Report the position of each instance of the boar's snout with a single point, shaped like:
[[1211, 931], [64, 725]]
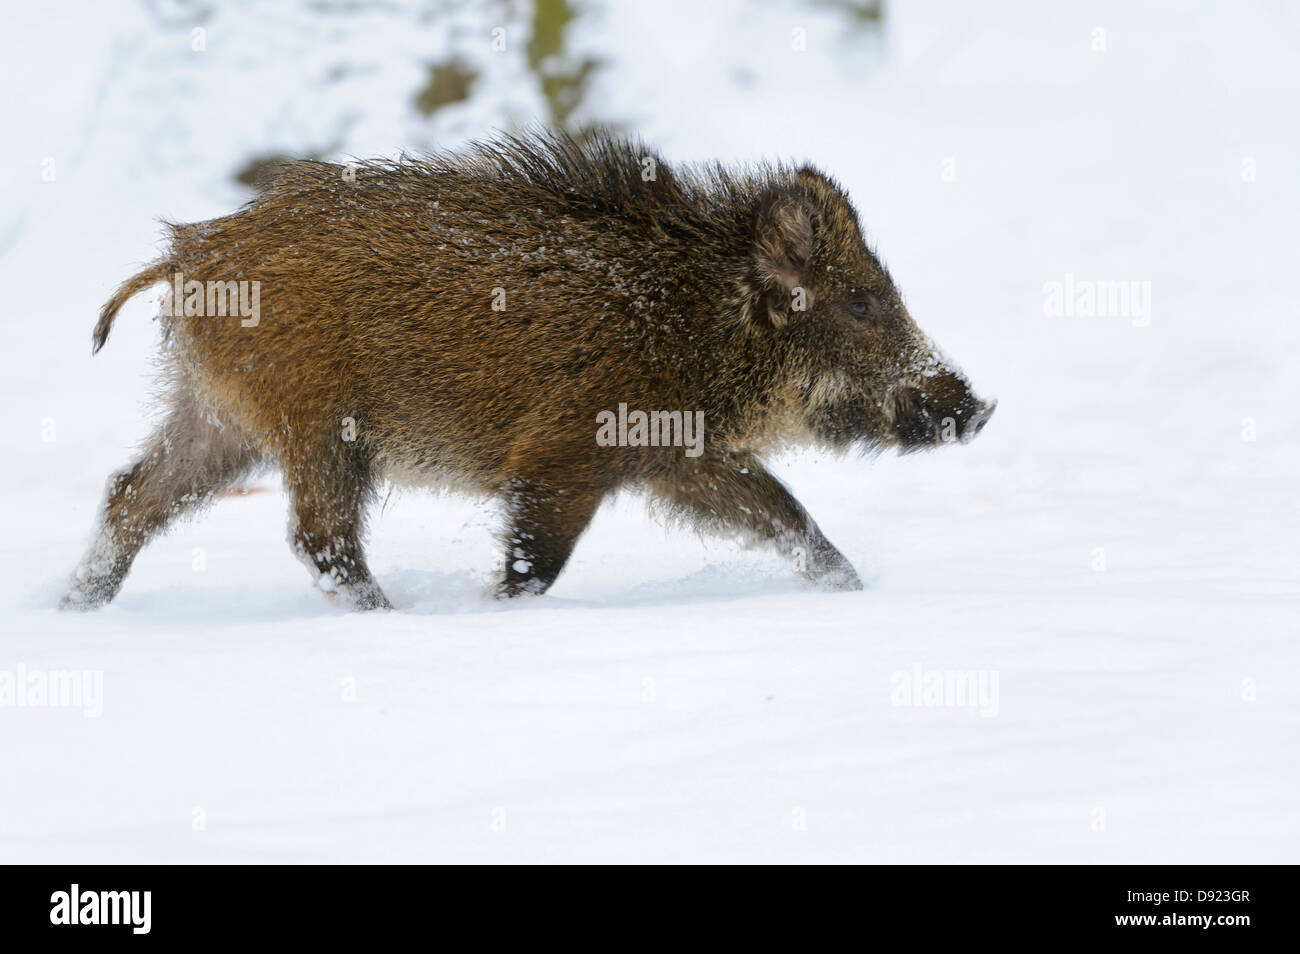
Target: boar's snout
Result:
[[979, 419], [942, 410]]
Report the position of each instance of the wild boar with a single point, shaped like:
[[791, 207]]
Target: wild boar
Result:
[[533, 319]]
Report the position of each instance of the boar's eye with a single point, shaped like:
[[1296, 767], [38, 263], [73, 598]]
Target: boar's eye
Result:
[[864, 307]]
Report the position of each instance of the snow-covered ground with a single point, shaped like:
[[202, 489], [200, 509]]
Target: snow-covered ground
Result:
[[1114, 561]]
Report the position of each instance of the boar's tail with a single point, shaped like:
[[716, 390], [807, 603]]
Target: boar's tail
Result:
[[132, 286]]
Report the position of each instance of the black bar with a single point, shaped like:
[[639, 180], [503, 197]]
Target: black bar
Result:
[[335, 904]]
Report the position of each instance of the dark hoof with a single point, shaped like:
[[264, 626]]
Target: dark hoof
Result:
[[362, 597], [513, 589]]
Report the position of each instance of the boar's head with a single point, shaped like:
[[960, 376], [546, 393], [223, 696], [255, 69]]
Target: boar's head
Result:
[[854, 363]]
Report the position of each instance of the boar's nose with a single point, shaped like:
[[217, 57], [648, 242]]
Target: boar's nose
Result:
[[978, 420]]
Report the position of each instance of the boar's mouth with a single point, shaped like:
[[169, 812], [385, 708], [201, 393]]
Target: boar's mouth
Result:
[[914, 426], [922, 419]]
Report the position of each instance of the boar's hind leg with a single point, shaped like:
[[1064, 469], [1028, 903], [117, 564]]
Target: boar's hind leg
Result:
[[329, 489], [738, 493], [186, 463]]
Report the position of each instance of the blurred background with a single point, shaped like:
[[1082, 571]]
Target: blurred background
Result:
[[1119, 543], [210, 91]]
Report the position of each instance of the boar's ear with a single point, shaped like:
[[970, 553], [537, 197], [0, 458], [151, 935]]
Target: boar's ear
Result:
[[783, 248]]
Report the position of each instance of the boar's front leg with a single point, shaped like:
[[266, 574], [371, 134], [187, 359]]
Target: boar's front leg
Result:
[[544, 518], [738, 493]]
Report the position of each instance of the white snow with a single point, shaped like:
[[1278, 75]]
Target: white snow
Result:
[[1114, 558]]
